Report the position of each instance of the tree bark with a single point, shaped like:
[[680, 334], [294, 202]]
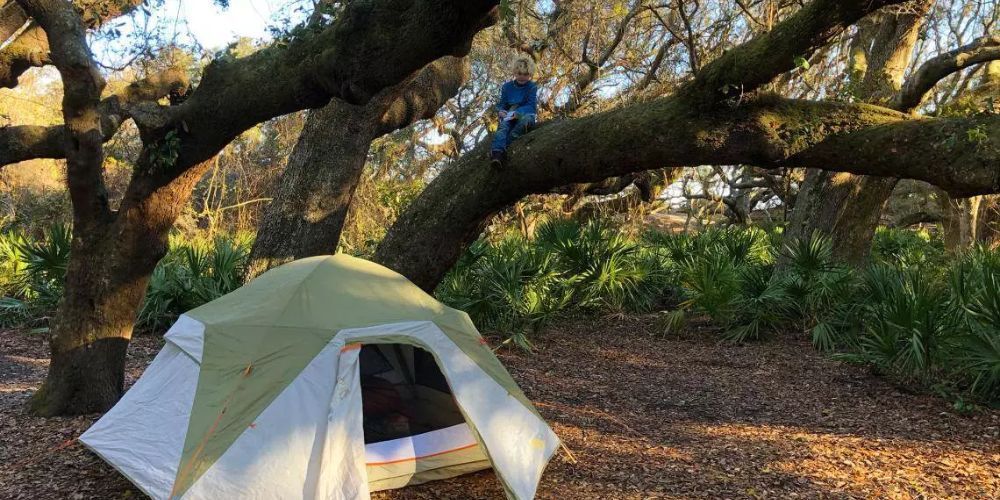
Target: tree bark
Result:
[[959, 222], [29, 50], [12, 18], [316, 188], [988, 232], [111, 261], [30, 47], [307, 213], [844, 206]]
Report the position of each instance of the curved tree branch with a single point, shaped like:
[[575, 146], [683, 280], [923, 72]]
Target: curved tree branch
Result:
[[931, 72], [744, 69], [958, 155], [735, 211], [30, 142], [30, 47], [918, 217], [334, 62], [669, 132]]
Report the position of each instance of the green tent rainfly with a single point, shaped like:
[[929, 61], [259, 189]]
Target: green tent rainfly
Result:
[[328, 377]]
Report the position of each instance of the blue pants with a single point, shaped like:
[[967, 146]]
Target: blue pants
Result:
[[508, 131]]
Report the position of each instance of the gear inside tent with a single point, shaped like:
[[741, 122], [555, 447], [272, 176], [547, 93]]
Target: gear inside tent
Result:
[[328, 377]]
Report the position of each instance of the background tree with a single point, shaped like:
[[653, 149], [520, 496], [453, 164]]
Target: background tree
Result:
[[848, 207], [316, 188]]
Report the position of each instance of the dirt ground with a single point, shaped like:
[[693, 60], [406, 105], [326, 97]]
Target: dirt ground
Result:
[[645, 417]]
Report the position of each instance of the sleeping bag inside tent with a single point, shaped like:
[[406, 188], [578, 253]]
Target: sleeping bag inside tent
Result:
[[328, 377]]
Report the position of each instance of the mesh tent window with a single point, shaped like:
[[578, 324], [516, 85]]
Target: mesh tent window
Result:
[[404, 393]]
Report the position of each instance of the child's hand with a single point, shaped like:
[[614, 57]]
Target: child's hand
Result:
[[503, 114]]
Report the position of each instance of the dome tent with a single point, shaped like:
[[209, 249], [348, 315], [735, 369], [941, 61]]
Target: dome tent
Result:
[[328, 377]]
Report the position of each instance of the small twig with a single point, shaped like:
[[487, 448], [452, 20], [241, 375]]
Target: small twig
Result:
[[569, 454], [255, 200]]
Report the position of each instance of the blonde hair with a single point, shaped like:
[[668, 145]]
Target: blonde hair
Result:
[[522, 63]]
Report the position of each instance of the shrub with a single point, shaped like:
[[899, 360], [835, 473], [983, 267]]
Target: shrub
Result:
[[516, 285], [193, 273], [601, 267], [726, 274], [909, 326], [907, 248], [924, 330], [975, 289], [820, 292], [33, 272], [510, 287]]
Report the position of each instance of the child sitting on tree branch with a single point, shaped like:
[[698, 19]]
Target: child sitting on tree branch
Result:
[[516, 108]]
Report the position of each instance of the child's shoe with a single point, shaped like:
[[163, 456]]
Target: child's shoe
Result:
[[496, 159]]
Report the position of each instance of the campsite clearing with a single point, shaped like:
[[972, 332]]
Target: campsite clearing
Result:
[[646, 417]]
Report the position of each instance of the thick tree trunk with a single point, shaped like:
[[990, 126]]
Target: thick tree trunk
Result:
[[436, 228], [960, 222], [988, 232], [90, 332], [316, 188], [309, 209], [110, 264], [844, 207]]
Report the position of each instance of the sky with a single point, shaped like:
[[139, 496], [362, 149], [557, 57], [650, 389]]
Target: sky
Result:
[[201, 21], [214, 27]]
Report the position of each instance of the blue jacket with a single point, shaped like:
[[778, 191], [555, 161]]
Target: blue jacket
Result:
[[522, 99]]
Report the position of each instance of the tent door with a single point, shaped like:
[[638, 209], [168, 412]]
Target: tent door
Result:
[[343, 474], [413, 429]]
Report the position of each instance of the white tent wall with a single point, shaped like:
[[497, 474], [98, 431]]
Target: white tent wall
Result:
[[285, 452], [143, 435], [188, 334], [342, 467]]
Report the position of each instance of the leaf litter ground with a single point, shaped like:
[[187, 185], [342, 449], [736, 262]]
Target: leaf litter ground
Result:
[[645, 417]]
